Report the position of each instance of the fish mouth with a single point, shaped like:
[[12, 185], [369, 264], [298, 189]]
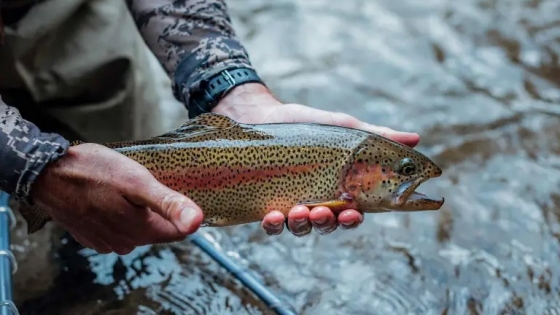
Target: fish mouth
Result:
[[407, 198]]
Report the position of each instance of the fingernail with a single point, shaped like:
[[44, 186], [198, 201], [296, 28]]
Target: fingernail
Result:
[[327, 229], [393, 132], [273, 226], [274, 230], [321, 221], [187, 216], [348, 224], [300, 220], [404, 133], [389, 131]]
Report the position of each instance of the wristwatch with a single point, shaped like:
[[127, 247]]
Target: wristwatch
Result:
[[217, 87]]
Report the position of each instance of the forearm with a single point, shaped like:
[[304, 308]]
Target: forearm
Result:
[[193, 39], [24, 152]]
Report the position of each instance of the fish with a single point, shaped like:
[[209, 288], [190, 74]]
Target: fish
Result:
[[237, 173]]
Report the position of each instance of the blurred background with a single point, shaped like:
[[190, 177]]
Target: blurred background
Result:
[[479, 80]]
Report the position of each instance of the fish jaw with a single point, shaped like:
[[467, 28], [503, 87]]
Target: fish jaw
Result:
[[406, 198], [378, 181]]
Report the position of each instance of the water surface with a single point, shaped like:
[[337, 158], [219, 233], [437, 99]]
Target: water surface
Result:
[[479, 80]]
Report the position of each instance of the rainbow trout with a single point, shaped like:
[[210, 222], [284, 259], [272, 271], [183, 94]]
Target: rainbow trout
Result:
[[237, 173]]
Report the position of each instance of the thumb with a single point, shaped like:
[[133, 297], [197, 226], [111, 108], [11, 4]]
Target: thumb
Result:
[[181, 211]]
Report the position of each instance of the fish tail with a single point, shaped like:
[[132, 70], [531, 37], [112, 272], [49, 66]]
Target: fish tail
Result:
[[34, 216]]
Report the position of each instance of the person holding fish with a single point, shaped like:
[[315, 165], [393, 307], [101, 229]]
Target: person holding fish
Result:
[[85, 67]]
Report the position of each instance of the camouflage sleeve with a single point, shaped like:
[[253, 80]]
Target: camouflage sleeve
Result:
[[193, 39], [24, 152]]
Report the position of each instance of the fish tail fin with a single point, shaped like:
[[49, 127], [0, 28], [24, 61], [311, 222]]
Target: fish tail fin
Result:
[[35, 217]]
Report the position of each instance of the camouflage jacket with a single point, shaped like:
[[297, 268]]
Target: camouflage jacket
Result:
[[193, 39]]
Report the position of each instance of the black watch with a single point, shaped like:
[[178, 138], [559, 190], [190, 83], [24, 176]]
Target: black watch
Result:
[[217, 86]]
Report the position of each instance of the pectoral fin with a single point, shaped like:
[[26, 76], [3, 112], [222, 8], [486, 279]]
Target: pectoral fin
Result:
[[334, 205]]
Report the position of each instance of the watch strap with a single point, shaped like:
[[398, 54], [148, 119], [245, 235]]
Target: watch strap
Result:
[[217, 87]]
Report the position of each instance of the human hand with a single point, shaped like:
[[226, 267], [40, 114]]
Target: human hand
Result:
[[111, 203], [253, 103]]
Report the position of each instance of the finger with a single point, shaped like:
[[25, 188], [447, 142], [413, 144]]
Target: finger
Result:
[[300, 113], [273, 223], [323, 220], [145, 227], [350, 219], [136, 231], [123, 250], [107, 241], [120, 241], [160, 231], [92, 243], [82, 241], [298, 221], [406, 138], [113, 236], [176, 208]]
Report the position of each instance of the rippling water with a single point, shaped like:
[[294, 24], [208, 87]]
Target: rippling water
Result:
[[479, 80]]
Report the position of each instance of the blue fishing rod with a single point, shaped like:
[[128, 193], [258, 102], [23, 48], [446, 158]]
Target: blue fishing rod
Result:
[[8, 264], [243, 275]]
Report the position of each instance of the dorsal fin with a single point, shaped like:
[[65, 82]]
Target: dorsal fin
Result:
[[202, 125], [207, 126]]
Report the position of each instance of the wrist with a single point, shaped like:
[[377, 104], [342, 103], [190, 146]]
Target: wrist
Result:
[[205, 95], [43, 180], [32, 165], [244, 99]]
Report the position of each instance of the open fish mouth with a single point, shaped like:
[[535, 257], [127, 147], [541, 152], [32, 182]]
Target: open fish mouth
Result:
[[407, 198]]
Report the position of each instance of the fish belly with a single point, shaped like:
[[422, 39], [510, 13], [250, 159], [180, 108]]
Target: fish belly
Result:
[[241, 185]]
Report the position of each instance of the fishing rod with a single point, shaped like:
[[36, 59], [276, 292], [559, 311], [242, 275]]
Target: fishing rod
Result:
[[8, 263], [8, 266], [243, 275]]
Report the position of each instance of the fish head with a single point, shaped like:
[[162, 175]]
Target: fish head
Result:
[[384, 176]]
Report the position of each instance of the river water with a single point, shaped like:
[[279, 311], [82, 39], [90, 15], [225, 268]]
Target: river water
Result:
[[479, 80]]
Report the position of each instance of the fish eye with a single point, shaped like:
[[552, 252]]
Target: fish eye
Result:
[[406, 167]]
